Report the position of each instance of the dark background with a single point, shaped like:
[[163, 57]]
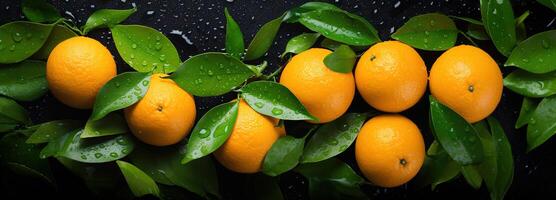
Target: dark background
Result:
[[196, 26]]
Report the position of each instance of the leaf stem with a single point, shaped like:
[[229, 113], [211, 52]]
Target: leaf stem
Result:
[[468, 38], [72, 27]]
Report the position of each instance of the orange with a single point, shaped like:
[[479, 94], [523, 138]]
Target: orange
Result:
[[76, 70], [325, 93], [391, 76], [164, 116], [467, 80], [389, 150], [251, 138]]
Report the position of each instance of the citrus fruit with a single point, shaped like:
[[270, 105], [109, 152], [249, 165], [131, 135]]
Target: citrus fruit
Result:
[[251, 138], [468, 81], [325, 93], [76, 70], [391, 76], [389, 150], [164, 116]]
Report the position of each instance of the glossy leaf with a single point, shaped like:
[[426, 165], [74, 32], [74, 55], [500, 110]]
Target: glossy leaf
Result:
[[294, 14], [437, 168], [275, 100], [530, 84], [145, 49], [212, 130], [342, 60], [504, 161], [431, 31], [23, 158], [49, 131], [301, 43], [106, 18], [469, 20], [21, 39], [548, 3], [263, 39], [283, 155], [528, 107], [39, 11], [24, 81], [120, 92], [234, 37], [138, 181], [457, 136], [498, 19], [521, 30], [477, 32], [333, 45], [111, 124], [211, 74], [333, 138], [59, 33], [472, 176], [12, 113], [537, 54], [542, 125]]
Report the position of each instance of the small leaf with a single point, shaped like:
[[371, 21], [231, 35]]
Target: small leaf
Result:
[[212, 130], [234, 37], [120, 92], [438, 168], [504, 159], [432, 31], [293, 15], [498, 19], [342, 60], [549, 4], [49, 131], [39, 11], [537, 54], [542, 125], [59, 33], [111, 124], [263, 39], [472, 176], [145, 49], [140, 183], [24, 81], [333, 138], [275, 100], [477, 32], [211, 74], [106, 18], [21, 39], [12, 113], [527, 109], [531, 85], [457, 136], [301, 43], [283, 155]]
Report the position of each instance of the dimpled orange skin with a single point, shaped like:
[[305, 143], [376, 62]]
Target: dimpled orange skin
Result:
[[251, 138], [325, 93], [164, 116], [391, 76], [467, 80], [76, 70], [389, 150]]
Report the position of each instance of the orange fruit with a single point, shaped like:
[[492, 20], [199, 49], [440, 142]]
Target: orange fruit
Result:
[[251, 138], [468, 81], [325, 93], [391, 76], [76, 70], [164, 116], [389, 150]]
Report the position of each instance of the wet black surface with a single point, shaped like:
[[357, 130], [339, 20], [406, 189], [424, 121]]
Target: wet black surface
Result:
[[198, 26]]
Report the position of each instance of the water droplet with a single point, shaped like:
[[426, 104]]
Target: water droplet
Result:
[[17, 37], [210, 73], [540, 84], [144, 63], [134, 46], [84, 157], [125, 151], [132, 56], [114, 155], [525, 60], [545, 44], [432, 22], [158, 46], [218, 77], [157, 38], [98, 155], [333, 141], [144, 82], [343, 127], [162, 58], [427, 33], [121, 141], [277, 111], [203, 133], [259, 104], [12, 48]]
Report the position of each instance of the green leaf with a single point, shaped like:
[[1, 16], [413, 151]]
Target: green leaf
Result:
[[212, 130], [477, 32], [293, 15], [12, 113], [472, 176], [49, 131], [340, 26], [301, 43], [59, 33], [342, 60], [432, 31], [211, 74], [548, 3], [93, 150], [275, 100], [145, 49], [521, 31], [504, 160], [106, 18], [531, 85], [528, 107], [457, 136], [263, 39], [537, 54], [120, 92], [469, 20], [438, 168], [163, 165], [24, 81], [140, 183], [283, 155], [542, 125], [498, 19], [21, 39], [234, 38], [39, 11], [333, 45], [111, 124], [333, 138]]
